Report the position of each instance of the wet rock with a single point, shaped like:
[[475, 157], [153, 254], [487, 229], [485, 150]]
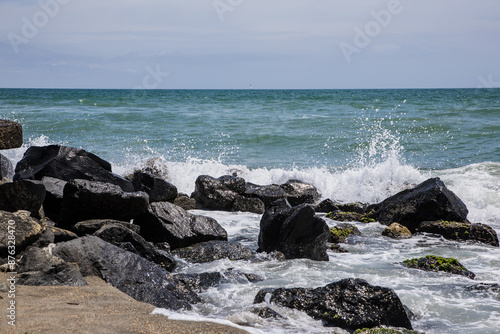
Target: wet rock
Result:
[[397, 231], [156, 167], [166, 222], [301, 235], [185, 202], [119, 235], [11, 134], [22, 195], [214, 250], [203, 281], [218, 194], [84, 200], [339, 233], [52, 235], [39, 267], [336, 248], [27, 231], [89, 227], [6, 168], [437, 263], [267, 194], [461, 231], [298, 192], [270, 225], [357, 207], [245, 204], [128, 272], [67, 163], [486, 289], [349, 303], [266, 313], [54, 191], [428, 201], [348, 216], [158, 189], [326, 206]]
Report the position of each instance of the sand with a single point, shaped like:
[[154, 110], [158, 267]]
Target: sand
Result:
[[95, 308]]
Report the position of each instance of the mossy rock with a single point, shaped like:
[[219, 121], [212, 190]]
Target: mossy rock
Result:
[[438, 263], [461, 231], [340, 232], [351, 216], [397, 231], [384, 331]]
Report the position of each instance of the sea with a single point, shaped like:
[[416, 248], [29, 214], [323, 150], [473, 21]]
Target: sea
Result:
[[353, 145]]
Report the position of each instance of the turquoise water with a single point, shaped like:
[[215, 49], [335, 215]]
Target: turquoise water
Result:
[[353, 145], [431, 129]]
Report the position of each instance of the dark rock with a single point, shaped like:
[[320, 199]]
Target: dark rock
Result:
[[349, 303], [266, 313], [128, 272], [166, 222], [214, 250], [336, 248], [158, 189], [428, 201], [54, 191], [203, 281], [296, 232], [52, 235], [487, 289], [347, 216], [185, 202], [11, 134], [218, 194], [6, 168], [326, 206], [270, 225], [461, 231], [89, 227], [353, 207], [340, 232], [67, 163], [85, 200], [39, 267], [156, 167], [245, 204], [119, 235], [267, 194], [22, 195], [298, 192], [437, 263], [303, 235], [27, 231], [385, 330], [397, 231]]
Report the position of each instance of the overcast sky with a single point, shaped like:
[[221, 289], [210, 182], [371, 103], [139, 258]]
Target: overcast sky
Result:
[[278, 44]]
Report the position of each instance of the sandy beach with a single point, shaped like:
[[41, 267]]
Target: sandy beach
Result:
[[95, 308]]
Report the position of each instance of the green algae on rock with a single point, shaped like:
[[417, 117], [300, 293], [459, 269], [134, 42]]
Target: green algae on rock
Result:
[[438, 263]]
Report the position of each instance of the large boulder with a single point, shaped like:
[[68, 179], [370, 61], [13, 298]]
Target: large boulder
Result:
[[267, 194], [39, 267], [349, 303], [214, 250], [296, 232], [85, 200], [428, 201], [438, 263], [128, 272], [295, 191], [6, 168], [54, 192], [166, 222], [21, 228], [67, 163], [461, 231], [22, 195], [125, 238], [89, 227], [11, 134], [157, 188], [225, 193], [52, 235]]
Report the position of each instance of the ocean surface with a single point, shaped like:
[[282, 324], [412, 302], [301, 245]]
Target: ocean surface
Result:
[[353, 145]]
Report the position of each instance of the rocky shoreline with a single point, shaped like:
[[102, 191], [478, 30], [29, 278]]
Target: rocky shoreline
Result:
[[75, 219]]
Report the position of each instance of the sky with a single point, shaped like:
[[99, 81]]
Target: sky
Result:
[[230, 44]]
